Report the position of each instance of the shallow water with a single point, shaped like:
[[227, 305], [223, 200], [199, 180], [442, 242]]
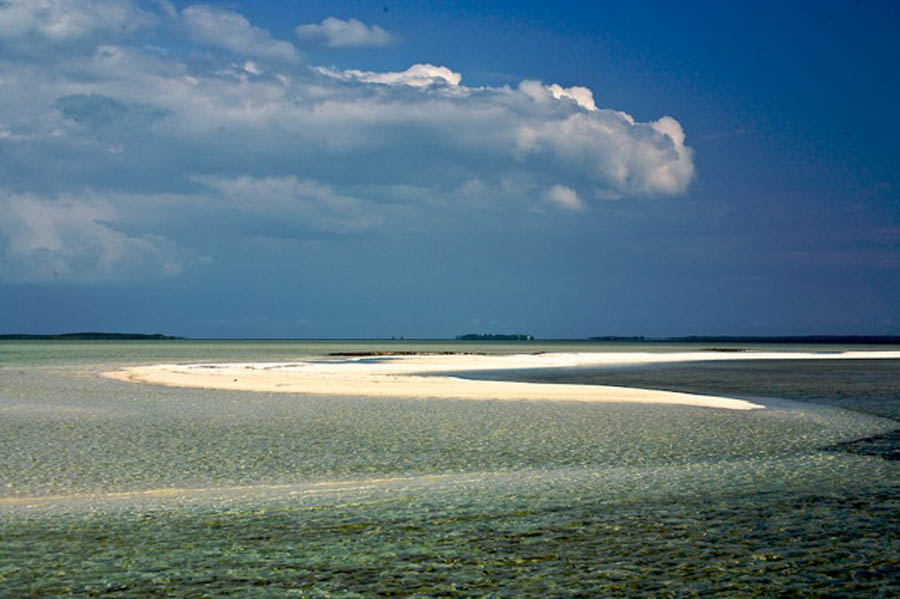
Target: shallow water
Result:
[[118, 489], [862, 385]]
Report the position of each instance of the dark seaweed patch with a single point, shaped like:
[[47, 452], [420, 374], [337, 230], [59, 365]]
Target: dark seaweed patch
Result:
[[885, 446]]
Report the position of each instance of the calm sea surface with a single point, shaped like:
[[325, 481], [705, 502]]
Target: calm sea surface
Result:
[[124, 490]]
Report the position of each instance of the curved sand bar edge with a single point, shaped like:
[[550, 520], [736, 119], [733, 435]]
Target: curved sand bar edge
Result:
[[401, 376]]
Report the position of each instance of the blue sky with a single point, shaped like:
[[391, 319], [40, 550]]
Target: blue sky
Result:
[[352, 169]]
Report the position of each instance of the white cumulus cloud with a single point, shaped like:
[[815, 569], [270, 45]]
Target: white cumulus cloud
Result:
[[613, 151], [539, 92], [580, 95], [337, 33]]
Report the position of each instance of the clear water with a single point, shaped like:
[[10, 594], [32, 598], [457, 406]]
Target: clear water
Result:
[[115, 489]]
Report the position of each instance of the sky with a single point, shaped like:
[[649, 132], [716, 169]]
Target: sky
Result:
[[350, 169]]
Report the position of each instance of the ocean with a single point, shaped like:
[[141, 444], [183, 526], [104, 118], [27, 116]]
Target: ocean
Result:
[[116, 489]]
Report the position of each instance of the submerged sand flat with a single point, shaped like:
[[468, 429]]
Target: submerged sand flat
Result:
[[117, 488], [401, 376]]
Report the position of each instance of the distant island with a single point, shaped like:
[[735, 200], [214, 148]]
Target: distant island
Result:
[[90, 337], [494, 337]]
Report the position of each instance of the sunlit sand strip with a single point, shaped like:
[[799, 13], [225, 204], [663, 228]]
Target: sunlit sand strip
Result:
[[396, 376], [205, 494]]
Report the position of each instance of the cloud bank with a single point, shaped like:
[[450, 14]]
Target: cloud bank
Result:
[[112, 150], [67, 238], [65, 20]]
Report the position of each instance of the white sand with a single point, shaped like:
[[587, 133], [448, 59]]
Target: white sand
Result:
[[399, 376]]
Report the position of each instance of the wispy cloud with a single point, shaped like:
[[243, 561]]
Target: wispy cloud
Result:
[[337, 33], [418, 75], [564, 197], [301, 204], [233, 32]]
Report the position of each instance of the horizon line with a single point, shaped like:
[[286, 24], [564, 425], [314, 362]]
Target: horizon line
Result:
[[795, 338]]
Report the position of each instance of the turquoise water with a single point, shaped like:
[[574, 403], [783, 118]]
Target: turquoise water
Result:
[[123, 490]]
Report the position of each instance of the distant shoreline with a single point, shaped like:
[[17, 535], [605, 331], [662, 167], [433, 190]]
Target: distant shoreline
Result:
[[476, 340], [90, 337]]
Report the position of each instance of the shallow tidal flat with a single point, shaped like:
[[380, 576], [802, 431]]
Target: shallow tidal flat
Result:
[[109, 488]]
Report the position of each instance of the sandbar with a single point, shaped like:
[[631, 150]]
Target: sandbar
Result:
[[404, 376]]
